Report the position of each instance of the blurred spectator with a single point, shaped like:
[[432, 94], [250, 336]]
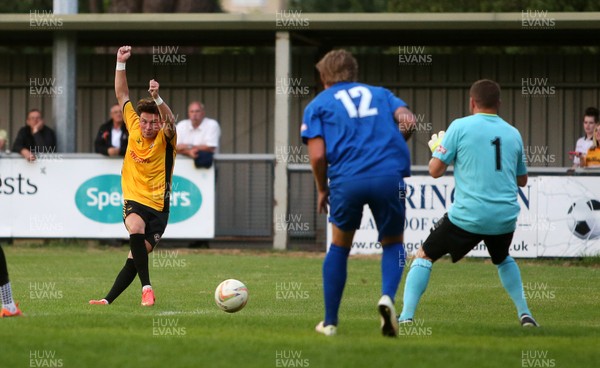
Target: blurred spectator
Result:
[[112, 136], [3, 141], [35, 137], [198, 136], [592, 157], [590, 119]]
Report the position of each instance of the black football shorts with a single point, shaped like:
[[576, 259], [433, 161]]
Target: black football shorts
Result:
[[447, 238], [156, 221]]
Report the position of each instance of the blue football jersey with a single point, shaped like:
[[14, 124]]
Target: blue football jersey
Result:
[[487, 153], [361, 136]]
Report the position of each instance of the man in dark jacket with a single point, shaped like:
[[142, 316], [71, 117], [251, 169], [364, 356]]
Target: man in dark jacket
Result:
[[112, 136], [35, 138]]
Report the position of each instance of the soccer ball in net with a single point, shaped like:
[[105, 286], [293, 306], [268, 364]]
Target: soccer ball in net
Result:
[[584, 219], [231, 295]]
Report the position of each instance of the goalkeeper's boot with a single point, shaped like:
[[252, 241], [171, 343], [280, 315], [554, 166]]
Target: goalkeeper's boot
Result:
[[528, 321]]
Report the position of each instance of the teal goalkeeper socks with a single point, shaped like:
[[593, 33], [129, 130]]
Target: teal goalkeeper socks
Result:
[[416, 283], [511, 280]]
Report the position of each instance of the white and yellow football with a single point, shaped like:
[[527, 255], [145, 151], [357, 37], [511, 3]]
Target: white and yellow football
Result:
[[231, 295]]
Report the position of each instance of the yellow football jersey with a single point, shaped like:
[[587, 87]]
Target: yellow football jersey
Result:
[[592, 158], [147, 171]]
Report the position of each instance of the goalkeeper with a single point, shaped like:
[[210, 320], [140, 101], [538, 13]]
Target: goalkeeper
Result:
[[487, 153]]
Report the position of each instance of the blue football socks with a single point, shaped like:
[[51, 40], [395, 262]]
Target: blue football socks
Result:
[[392, 265], [335, 270]]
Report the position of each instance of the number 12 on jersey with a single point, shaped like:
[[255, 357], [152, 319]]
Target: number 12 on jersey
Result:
[[364, 106]]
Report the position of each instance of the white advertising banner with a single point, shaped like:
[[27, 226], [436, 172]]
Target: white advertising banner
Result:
[[560, 217], [81, 197]]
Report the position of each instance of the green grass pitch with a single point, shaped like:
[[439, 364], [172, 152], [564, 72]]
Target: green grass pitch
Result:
[[465, 318]]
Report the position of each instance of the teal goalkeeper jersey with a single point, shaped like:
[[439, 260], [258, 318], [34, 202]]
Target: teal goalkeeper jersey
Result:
[[487, 153]]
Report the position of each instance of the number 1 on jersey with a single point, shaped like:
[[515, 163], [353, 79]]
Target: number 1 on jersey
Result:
[[498, 143], [364, 106]]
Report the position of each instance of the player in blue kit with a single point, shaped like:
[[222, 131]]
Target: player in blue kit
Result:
[[488, 159], [356, 136]]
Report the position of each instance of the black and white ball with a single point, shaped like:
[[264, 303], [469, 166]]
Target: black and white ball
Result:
[[584, 218]]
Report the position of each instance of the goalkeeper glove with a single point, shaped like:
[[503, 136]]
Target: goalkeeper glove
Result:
[[436, 140]]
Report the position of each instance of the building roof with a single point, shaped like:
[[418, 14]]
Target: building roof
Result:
[[320, 29]]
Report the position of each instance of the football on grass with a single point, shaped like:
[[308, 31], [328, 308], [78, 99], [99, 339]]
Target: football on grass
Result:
[[231, 295]]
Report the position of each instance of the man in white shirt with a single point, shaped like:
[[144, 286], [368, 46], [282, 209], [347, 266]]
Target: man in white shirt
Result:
[[590, 119], [197, 133]]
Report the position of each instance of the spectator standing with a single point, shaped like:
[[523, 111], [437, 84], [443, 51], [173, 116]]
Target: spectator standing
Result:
[[590, 119], [198, 136], [592, 157], [112, 136], [35, 137]]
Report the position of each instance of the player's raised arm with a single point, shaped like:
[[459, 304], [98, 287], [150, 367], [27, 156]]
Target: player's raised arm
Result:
[[121, 88], [166, 116], [406, 120]]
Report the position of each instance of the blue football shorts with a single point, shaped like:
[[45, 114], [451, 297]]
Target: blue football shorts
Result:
[[385, 196]]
